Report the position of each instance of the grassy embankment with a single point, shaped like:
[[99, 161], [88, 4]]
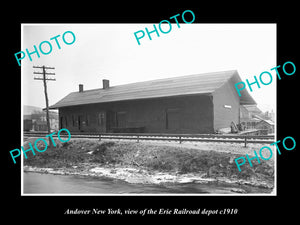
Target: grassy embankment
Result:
[[163, 158]]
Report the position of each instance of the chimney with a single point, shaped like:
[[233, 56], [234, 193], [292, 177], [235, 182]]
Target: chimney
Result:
[[80, 87], [105, 84]]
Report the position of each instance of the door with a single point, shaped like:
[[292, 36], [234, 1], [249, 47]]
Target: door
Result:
[[80, 122], [61, 123], [121, 120], [102, 122], [173, 119]]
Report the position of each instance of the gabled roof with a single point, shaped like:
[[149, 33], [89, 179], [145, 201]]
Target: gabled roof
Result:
[[270, 122], [253, 109], [205, 83]]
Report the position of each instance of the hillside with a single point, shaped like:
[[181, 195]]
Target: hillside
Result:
[[28, 109]]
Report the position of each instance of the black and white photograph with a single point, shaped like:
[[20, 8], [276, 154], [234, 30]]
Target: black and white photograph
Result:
[[108, 111], [149, 113]]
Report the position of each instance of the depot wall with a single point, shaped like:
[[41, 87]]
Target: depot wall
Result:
[[226, 106], [185, 114]]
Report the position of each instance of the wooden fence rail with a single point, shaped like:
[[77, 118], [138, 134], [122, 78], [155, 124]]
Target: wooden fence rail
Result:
[[261, 139], [266, 139]]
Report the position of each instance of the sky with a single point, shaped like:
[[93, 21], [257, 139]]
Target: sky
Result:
[[110, 51]]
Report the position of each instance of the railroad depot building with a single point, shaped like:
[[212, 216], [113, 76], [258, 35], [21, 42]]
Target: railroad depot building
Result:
[[201, 103]]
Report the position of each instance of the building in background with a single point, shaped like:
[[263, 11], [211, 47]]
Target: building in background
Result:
[[248, 116], [34, 119], [252, 118], [267, 125]]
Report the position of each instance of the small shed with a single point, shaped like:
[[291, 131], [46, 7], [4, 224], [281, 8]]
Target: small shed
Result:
[[268, 125]]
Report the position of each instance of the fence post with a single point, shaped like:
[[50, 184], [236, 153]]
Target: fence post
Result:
[[180, 140], [245, 142], [138, 138]]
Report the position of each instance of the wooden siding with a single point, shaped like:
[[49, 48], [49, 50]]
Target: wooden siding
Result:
[[186, 114], [227, 96]]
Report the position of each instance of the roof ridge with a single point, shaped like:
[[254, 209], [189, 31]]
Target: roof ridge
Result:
[[201, 83], [164, 79]]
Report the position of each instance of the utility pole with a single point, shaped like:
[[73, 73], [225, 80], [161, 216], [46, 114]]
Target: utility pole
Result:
[[44, 79]]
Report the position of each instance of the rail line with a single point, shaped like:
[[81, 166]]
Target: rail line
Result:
[[258, 139]]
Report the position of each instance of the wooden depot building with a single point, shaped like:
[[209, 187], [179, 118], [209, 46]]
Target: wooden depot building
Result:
[[201, 103]]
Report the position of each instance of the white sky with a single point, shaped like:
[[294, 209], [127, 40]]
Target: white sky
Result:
[[110, 51]]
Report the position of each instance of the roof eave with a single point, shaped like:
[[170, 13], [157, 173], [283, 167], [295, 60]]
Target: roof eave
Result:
[[57, 105]]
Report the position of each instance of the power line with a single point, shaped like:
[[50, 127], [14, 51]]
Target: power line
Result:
[[44, 78]]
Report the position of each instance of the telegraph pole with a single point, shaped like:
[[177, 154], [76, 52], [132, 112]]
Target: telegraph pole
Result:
[[44, 79]]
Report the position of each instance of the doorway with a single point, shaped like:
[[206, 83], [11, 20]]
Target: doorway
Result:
[[173, 119], [80, 122], [102, 121]]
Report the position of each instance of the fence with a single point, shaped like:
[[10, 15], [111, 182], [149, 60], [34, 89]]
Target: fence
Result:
[[261, 139]]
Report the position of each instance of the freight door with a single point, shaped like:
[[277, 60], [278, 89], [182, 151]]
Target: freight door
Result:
[[102, 122], [121, 120], [172, 120]]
